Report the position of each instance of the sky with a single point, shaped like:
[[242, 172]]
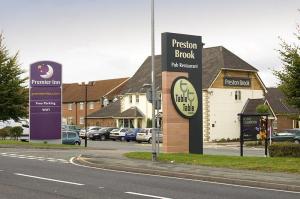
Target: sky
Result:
[[105, 39]]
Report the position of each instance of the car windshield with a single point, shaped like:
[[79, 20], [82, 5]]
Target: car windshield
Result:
[[103, 129], [72, 135], [143, 131]]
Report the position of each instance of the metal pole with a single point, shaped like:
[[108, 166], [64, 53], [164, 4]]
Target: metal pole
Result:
[[241, 136], [85, 122], [266, 139], [153, 84]]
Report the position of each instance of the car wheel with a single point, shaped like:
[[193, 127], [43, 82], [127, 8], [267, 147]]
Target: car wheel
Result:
[[77, 143], [122, 139], [297, 142], [150, 140], [139, 142], [128, 140], [102, 138]]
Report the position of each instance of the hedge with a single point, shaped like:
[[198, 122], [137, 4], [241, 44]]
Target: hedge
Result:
[[4, 132], [285, 149]]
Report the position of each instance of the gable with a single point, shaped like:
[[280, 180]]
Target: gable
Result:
[[255, 83]]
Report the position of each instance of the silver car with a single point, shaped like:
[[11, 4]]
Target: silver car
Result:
[[91, 128], [145, 135]]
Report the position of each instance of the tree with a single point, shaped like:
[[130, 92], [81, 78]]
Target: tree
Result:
[[262, 108], [16, 132], [289, 77], [13, 94]]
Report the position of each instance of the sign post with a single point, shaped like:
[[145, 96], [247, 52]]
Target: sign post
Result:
[[45, 102], [252, 128], [182, 107]]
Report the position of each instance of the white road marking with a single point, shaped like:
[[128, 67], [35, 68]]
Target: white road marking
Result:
[[185, 179], [101, 187], [1, 170], [48, 179], [52, 160], [146, 195], [30, 157]]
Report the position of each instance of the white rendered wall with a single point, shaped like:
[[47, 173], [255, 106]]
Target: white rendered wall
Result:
[[223, 111]]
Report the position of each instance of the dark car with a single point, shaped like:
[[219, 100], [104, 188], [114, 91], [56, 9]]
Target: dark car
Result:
[[70, 137], [131, 135], [102, 134], [288, 135]]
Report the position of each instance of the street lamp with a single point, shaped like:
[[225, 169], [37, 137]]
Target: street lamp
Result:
[[86, 84], [154, 154]]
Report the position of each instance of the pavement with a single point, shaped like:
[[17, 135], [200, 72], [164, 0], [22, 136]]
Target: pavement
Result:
[[114, 160]]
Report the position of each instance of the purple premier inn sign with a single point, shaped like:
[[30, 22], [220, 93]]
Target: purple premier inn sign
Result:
[[45, 101]]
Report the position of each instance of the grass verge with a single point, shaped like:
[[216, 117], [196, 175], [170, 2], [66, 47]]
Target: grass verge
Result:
[[20, 144], [289, 165]]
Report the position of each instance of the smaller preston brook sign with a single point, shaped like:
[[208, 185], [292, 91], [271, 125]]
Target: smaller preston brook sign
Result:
[[45, 101], [237, 81]]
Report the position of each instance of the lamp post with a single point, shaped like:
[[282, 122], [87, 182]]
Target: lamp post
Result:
[[154, 154], [86, 84]]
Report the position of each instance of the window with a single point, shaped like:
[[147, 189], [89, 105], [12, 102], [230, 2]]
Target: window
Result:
[[137, 98], [70, 120], [130, 98], [295, 124], [274, 123], [70, 106], [237, 95], [81, 105], [81, 121], [91, 105], [71, 135], [64, 135]]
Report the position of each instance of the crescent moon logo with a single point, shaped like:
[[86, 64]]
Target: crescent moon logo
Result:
[[48, 74]]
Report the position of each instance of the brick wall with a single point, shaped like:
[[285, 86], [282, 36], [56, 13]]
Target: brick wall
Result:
[[76, 113], [284, 122]]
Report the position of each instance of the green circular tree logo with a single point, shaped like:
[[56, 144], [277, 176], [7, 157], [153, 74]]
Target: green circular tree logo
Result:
[[184, 97]]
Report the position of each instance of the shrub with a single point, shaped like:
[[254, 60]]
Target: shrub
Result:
[[285, 149], [16, 132], [4, 132]]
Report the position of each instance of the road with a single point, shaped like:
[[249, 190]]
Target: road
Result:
[[36, 177]]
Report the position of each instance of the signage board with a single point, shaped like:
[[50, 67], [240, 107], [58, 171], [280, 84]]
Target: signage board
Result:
[[183, 54], [250, 128], [184, 97], [237, 81], [45, 101]]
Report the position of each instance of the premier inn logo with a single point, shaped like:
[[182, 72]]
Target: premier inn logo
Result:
[[184, 97]]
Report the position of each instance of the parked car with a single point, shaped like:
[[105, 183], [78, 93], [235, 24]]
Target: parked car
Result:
[[145, 135], [131, 135], [102, 134], [70, 137], [70, 128], [82, 131], [288, 135], [118, 134]]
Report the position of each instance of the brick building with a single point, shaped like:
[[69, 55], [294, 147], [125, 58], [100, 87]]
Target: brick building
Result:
[[283, 116], [99, 94]]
